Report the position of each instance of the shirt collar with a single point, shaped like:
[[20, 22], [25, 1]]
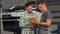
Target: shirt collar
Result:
[[33, 12]]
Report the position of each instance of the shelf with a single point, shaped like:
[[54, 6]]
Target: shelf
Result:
[[10, 20]]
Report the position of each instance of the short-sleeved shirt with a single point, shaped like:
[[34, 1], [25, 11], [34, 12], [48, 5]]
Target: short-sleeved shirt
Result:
[[46, 15], [43, 29]]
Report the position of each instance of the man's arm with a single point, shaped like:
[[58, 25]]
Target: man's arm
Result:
[[21, 23], [47, 23], [48, 19]]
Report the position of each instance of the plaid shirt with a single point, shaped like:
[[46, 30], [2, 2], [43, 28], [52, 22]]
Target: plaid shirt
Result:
[[23, 18]]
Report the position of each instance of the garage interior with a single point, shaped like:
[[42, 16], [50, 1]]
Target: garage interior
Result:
[[10, 11]]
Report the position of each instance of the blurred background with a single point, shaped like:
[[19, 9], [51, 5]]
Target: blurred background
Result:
[[12, 9]]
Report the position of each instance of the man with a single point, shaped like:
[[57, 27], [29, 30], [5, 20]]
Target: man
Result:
[[24, 24], [46, 19]]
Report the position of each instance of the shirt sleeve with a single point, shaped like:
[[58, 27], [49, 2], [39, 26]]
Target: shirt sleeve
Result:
[[49, 15], [22, 21]]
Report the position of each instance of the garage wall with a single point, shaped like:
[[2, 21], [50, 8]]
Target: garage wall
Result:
[[6, 3]]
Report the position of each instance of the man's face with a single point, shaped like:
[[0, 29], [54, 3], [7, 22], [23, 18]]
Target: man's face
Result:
[[29, 9], [41, 7]]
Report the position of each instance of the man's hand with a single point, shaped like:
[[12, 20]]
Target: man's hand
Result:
[[33, 21]]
